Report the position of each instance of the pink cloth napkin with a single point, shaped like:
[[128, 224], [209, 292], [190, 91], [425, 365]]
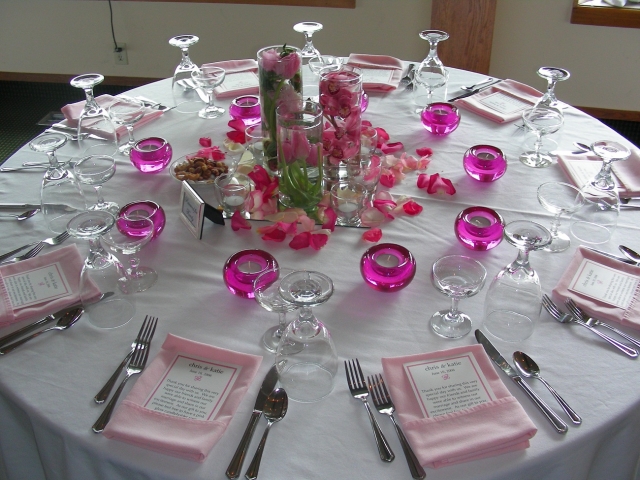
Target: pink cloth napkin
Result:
[[515, 89], [626, 171], [70, 263], [178, 436], [72, 113], [629, 317], [385, 62], [485, 430], [249, 86]]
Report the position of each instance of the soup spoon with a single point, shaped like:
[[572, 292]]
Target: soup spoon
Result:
[[22, 216], [630, 254]]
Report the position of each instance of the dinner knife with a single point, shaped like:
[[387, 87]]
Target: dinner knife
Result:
[[268, 384], [29, 206], [499, 360], [473, 92], [611, 255]]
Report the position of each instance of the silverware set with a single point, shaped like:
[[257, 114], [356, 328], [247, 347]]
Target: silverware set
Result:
[[407, 82], [133, 364], [57, 240]]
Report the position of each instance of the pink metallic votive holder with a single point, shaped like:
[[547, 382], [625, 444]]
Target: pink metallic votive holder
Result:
[[479, 228], [440, 118], [246, 108], [485, 163], [243, 267], [387, 267], [145, 208], [151, 155]]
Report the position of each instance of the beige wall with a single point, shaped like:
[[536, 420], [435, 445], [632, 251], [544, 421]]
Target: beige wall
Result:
[[74, 36]]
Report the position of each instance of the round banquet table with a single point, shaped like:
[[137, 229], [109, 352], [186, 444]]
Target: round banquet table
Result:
[[47, 386]]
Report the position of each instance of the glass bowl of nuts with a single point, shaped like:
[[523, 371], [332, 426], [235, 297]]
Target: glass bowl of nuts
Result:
[[197, 168]]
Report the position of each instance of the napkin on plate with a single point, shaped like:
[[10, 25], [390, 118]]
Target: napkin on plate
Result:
[[629, 316], [378, 62], [520, 97], [173, 435], [72, 113], [69, 265], [240, 78], [485, 430], [580, 168]]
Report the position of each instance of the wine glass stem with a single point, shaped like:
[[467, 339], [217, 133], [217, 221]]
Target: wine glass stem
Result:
[[53, 160], [555, 224], [91, 103], [95, 251], [134, 263], [454, 313], [538, 145], [98, 189], [130, 132], [186, 60], [282, 324]]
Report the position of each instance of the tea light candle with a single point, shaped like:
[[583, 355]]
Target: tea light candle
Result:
[[234, 200], [387, 267], [246, 108], [440, 118], [250, 267], [485, 163], [387, 260], [151, 155], [145, 208], [479, 228], [348, 207], [242, 268]]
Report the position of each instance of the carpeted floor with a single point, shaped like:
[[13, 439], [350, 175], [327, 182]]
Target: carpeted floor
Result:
[[24, 104]]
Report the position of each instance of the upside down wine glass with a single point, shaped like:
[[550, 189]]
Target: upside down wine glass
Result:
[[308, 29], [560, 199], [553, 76], [431, 73], [185, 95], [208, 78], [95, 170], [609, 152], [307, 374], [127, 111]]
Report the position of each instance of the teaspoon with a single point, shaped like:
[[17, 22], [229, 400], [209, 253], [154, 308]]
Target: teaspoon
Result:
[[529, 368], [630, 254], [22, 216]]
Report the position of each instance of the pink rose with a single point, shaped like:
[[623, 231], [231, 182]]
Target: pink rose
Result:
[[288, 65]]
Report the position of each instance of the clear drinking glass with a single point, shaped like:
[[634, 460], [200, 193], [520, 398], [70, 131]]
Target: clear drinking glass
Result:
[[596, 221], [95, 170], [514, 299], [127, 111], [553, 75], [457, 276], [609, 151], [232, 190], [541, 120], [431, 73], [318, 65], [185, 95], [307, 375], [347, 201], [560, 199], [208, 78], [308, 29]]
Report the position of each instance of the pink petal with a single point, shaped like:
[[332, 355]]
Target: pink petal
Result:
[[237, 124], [387, 179], [239, 222], [302, 240], [330, 219], [318, 240], [205, 141], [412, 208], [424, 151], [392, 147], [373, 235]]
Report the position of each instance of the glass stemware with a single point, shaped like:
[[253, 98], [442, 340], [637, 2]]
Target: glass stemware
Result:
[[513, 301], [308, 375], [596, 221], [100, 270], [541, 120], [185, 95], [120, 240], [457, 276], [431, 73], [308, 29], [127, 111], [553, 76], [61, 198], [559, 198], [609, 151], [209, 78], [266, 289], [95, 170]]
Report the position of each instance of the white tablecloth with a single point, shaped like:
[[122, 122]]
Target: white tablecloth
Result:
[[47, 386]]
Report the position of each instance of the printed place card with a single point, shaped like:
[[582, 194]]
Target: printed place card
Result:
[[238, 81], [448, 384], [193, 388], [504, 103], [605, 284], [37, 286], [376, 75]]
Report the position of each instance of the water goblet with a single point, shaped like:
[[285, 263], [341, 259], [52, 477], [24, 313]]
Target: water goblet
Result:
[[513, 301], [457, 276], [266, 289], [127, 111], [308, 375], [308, 29], [122, 242], [541, 120], [95, 170], [185, 95], [553, 75], [101, 270], [609, 152], [347, 201], [431, 73], [208, 78], [559, 198]]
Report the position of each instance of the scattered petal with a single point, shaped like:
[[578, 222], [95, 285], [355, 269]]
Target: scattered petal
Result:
[[412, 208], [372, 235], [205, 141], [302, 240], [424, 151], [239, 222], [435, 184]]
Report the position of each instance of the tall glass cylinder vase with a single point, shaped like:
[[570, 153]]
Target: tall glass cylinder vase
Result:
[[340, 97], [299, 138], [280, 76]]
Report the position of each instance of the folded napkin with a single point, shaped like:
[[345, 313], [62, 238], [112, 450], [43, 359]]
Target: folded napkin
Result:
[[378, 83], [502, 102], [581, 168], [629, 316], [182, 437], [29, 280], [72, 113], [240, 78], [485, 430]]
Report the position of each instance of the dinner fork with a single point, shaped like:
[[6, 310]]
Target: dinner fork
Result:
[[576, 311], [384, 404], [358, 389], [408, 78], [31, 253], [562, 317], [57, 240], [136, 365], [104, 392]]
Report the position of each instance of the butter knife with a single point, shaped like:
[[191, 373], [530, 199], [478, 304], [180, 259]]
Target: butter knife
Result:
[[268, 384], [499, 360], [611, 255], [473, 92]]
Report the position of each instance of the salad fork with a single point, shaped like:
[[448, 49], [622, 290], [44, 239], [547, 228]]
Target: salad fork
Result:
[[57, 240], [384, 404], [358, 389], [136, 365], [31, 253]]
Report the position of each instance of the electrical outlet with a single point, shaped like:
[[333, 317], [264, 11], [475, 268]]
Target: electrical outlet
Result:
[[121, 56]]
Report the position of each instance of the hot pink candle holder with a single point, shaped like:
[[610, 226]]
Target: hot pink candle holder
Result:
[[246, 108], [243, 267], [151, 155], [440, 118], [479, 228], [485, 163], [145, 208], [387, 267]]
